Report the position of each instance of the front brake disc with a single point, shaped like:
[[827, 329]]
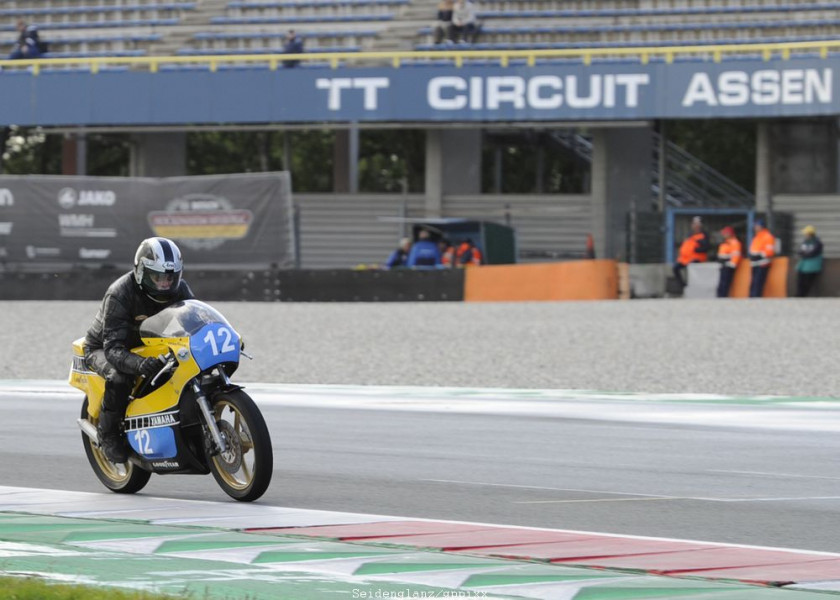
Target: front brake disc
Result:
[[231, 459]]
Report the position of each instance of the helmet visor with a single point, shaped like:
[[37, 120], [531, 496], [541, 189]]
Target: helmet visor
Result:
[[164, 284]]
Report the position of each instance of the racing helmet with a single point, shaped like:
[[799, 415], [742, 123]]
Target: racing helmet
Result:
[[157, 268]]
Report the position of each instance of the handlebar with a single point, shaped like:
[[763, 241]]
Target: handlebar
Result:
[[170, 362]]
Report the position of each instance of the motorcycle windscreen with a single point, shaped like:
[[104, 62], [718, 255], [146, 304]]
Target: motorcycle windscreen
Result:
[[154, 441], [214, 344], [181, 320]]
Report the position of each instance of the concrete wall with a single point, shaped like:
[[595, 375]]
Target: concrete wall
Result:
[[158, 154], [621, 181], [453, 165], [803, 156], [820, 210]]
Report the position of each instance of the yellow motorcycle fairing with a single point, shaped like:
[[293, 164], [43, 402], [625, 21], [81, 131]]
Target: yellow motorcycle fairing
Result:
[[166, 396], [81, 377]]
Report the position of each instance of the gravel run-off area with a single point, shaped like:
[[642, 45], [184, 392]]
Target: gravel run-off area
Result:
[[787, 347]]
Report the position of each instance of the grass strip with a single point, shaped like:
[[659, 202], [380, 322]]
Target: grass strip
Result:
[[33, 588]]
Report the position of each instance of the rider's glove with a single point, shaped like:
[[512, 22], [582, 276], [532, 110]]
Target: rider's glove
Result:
[[150, 366]]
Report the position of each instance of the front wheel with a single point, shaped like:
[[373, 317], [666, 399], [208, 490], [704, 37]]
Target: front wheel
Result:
[[119, 478], [244, 470]]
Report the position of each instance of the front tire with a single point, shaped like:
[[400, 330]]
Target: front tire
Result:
[[121, 479], [244, 470]]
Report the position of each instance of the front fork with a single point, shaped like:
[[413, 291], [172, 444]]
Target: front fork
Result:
[[204, 406]]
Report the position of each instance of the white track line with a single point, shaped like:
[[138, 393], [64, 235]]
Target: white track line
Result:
[[631, 496], [776, 475]]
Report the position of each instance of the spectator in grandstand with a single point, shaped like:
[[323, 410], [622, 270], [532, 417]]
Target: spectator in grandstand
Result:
[[447, 253], [810, 263], [694, 249], [399, 256], [728, 255], [424, 252], [464, 27], [468, 255], [28, 45], [762, 249], [293, 45], [444, 20]]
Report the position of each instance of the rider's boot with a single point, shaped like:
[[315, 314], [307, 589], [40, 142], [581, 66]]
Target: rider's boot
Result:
[[111, 439]]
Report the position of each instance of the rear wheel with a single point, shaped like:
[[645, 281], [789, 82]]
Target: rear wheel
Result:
[[120, 478], [244, 470]]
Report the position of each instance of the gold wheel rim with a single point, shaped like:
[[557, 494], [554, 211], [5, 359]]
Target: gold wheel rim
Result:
[[118, 473], [241, 444]]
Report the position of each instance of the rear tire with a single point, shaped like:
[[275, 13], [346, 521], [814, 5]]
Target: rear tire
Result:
[[121, 479], [244, 470]]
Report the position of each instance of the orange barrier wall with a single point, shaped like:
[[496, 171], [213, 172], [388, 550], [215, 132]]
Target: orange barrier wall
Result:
[[776, 286], [574, 280]]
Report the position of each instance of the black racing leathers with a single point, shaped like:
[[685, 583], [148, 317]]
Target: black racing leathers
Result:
[[116, 328]]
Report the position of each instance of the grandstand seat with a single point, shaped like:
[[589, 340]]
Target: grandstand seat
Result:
[[44, 26], [115, 54], [299, 19], [248, 6], [652, 12], [31, 11], [275, 50], [540, 24], [616, 44]]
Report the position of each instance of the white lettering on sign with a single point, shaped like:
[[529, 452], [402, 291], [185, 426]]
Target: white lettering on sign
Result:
[[94, 253], [97, 198], [370, 87], [542, 92], [75, 220], [764, 87], [505, 90], [435, 96]]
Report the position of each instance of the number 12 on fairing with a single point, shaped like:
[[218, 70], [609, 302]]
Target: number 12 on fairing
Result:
[[224, 334], [143, 439]]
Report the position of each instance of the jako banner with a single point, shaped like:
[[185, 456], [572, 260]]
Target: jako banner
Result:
[[224, 221]]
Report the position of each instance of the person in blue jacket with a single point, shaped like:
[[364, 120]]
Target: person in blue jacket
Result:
[[399, 256], [292, 45], [29, 45], [424, 252]]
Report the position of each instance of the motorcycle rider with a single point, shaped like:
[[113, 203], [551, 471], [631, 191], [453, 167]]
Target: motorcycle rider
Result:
[[153, 284]]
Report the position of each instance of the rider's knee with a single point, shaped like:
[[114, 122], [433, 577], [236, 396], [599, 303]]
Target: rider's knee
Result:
[[118, 379]]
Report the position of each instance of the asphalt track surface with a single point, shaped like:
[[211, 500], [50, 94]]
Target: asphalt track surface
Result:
[[715, 480], [760, 474]]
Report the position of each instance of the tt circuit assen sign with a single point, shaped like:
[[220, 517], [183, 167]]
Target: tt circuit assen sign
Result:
[[559, 92]]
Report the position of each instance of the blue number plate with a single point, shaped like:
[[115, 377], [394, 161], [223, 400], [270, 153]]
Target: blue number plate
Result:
[[214, 343], [153, 442]]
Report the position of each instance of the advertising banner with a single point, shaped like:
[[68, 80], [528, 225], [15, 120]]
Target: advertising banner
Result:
[[562, 91], [229, 221]]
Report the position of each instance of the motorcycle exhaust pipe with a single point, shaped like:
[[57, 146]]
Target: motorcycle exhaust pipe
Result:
[[89, 430]]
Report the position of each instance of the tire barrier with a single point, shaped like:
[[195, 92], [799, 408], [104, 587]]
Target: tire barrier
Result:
[[276, 285]]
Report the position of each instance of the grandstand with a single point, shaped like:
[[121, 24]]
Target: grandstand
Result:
[[604, 114], [514, 24], [85, 28]]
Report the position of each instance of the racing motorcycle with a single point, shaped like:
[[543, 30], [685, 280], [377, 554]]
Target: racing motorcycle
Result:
[[188, 418]]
